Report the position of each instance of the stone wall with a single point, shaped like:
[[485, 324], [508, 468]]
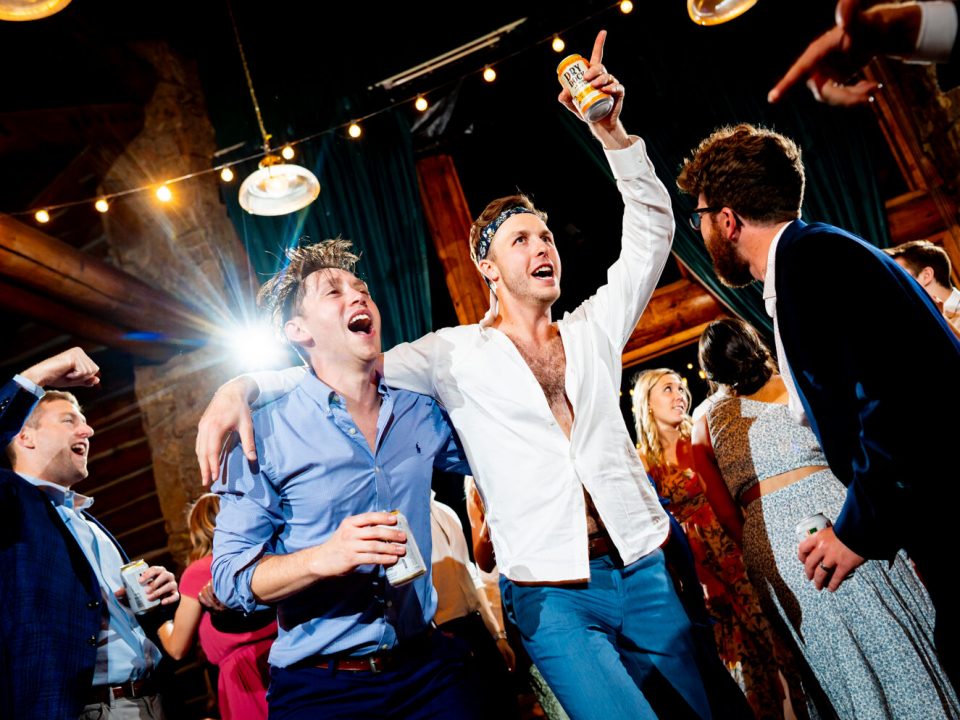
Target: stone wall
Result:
[[189, 248]]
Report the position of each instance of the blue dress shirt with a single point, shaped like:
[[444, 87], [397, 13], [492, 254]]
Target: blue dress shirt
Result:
[[123, 650], [314, 469]]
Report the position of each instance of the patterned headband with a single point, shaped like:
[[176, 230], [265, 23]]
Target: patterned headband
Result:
[[486, 235]]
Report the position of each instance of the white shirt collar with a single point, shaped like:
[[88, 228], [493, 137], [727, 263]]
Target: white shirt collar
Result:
[[952, 305], [770, 276], [60, 495]]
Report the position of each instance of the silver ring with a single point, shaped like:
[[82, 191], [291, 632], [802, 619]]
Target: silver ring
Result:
[[825, 568]]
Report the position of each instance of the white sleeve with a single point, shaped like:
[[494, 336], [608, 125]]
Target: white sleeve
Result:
[[938, 32], [412, 366], [647, 237], [275, 384]]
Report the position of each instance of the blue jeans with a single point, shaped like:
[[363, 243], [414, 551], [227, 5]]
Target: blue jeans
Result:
[[440, 686], [618, 647]]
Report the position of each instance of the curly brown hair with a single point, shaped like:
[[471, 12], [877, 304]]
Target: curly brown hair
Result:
[[490, 213], [919, 254], [202, 521], [755, 172], [282, 294]]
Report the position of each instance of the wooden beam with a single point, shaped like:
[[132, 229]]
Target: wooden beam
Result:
[[78, 323], [675, 317], [89, 286], [449, 219], [913, 216]]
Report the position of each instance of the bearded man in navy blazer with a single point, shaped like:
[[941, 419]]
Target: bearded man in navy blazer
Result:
[[69, 645], [868, 360]]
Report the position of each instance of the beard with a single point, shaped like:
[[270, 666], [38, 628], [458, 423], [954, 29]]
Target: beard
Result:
[[732, 269]]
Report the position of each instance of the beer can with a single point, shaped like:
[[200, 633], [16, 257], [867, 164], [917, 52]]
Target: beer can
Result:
[[137, 593], [811, 524], [592, 104], [411, 565]]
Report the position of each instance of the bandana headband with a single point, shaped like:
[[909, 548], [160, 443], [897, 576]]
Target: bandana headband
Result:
[[486, 235]]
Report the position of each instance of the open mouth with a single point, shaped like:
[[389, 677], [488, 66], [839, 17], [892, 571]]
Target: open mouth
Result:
[[80, 449], [361, 323], [543, 272]]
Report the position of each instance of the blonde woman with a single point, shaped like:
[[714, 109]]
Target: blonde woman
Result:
[[713, 527], [238, 646]]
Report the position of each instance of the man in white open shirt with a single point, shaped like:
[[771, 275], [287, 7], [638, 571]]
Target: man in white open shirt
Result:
[[576, 526]]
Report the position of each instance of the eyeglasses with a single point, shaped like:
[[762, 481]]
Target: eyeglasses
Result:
[[696, 215]]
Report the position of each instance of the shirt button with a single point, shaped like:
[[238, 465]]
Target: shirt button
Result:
[[352, 431], [384, 647], [92, 640], [377, 469], [93, 604], [389, 603]]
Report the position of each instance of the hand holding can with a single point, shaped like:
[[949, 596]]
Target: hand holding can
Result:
[[811, 525]]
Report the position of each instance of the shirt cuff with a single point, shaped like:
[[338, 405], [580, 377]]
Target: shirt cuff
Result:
[[29, 386], [938, 31], [629, 162]]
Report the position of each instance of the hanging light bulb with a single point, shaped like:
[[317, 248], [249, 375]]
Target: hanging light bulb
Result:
[[164, 194], [354, 131], [276, 187], [226, 175], [714, 12], [102, 205], [23, 10], [626, 7], [489, 74], [42, 216], [421, 103], [558, 44]]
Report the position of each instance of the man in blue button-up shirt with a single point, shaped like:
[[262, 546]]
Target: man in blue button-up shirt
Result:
[[70, 645], [308, 527]]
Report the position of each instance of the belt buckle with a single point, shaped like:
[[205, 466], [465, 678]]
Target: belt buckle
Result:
[[374, 667]]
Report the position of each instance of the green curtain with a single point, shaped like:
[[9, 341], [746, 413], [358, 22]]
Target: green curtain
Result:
[[369, 195], [684, 81]]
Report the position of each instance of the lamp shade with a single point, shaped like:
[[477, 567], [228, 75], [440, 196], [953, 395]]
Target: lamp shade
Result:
[[714, 12], [278, 188], [21, 10]]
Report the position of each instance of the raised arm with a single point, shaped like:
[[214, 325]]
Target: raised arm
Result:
[[648, 223], [924, 31]]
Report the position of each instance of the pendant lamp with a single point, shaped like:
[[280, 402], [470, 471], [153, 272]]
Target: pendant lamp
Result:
[[277, 187], [714, 12]]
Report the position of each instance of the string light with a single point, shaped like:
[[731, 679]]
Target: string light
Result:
[[702, 374], [287, 152], [689, 366], [354, 130]]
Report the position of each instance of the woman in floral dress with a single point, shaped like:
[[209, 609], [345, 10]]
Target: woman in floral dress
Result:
[[745, 640]]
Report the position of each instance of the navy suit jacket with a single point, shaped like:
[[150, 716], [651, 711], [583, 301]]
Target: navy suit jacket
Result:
[[51, 605], [878, 371]]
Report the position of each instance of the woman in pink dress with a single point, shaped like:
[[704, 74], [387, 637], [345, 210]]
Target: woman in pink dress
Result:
[[227, 640]]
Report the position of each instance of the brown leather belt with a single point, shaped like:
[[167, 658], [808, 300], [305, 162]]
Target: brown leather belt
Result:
[[378, 662], [777, 482], [129, 689], [598, 545]]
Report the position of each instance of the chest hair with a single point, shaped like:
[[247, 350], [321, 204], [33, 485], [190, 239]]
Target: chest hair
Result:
[[548, 363]]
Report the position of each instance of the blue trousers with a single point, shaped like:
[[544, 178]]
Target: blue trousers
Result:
[[618, 647], [440, 686]]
